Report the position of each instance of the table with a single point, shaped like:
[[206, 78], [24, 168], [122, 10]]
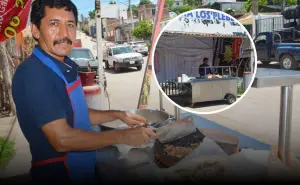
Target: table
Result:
[[285, 79], [109, 167]]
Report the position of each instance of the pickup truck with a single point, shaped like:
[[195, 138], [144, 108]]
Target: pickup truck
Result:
[[122, 56], [276, 46]]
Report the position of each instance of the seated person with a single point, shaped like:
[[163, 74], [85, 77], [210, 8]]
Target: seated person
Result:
[[204, 71]]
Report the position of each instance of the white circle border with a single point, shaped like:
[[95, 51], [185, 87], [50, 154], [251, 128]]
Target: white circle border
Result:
[[229, 106]]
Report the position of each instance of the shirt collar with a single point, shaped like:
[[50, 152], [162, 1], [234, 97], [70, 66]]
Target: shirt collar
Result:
[[63, 66]]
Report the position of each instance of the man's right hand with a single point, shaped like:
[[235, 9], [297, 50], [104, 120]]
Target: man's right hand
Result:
[[136, 137]]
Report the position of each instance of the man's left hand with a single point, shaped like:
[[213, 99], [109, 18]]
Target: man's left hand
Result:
[[132, 120]]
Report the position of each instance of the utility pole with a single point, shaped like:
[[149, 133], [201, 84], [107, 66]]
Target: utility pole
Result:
[[131, 17], [99, 51], [255, 13]]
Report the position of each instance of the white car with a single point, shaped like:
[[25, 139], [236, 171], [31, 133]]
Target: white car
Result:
[[122, 56], [139, 47]]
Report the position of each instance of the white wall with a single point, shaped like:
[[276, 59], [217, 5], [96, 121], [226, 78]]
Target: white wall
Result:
[[181, 55]]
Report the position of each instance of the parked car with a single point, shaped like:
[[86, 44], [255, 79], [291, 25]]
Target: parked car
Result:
[[139, 47], [83, 57], [122, 56], [278, 46]]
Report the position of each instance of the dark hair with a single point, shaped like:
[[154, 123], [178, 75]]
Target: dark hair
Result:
[[38, 9], [205, 59]]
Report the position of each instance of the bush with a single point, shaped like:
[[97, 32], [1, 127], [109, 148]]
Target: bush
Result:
[[8, 151]]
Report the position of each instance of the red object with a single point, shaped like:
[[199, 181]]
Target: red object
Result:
[[87, 78], [13, 17], [91, 90], [78, 43], [236, 46]]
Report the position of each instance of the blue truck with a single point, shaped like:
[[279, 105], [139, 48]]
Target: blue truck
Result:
[[280, 45]]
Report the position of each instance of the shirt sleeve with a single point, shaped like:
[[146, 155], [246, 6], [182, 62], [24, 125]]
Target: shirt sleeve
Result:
[[35, 96]]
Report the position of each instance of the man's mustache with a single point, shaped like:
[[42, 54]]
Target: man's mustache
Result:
[[63, 40]]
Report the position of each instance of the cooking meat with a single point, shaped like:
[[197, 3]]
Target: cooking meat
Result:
[[179, 151]]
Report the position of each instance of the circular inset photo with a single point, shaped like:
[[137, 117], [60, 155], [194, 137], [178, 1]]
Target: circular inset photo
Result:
[[204, 61]]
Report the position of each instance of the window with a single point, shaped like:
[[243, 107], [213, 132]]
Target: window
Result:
[[261, 39], [276, 38], [153, 11], [177, 3]]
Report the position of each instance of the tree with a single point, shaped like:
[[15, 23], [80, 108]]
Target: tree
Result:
[[112, 2], [181, 9], [287, 2], [142, 2], [170, 3], [248, 4], [143, 30], [92, 14], [135, 11], [193, 3]]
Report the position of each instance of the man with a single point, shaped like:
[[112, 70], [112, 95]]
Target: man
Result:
[[51, 107], [204, 71]]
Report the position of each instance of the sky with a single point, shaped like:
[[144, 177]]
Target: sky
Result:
[[84, 6]]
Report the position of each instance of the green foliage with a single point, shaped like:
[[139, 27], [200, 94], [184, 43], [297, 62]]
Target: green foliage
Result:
[[92, 14], [112, 2], [248, 4], [287, 2], [170, 3], [193, 3], [230, 11], [143, 30], [181, 9], [142, 2], [135, 10], [8, 152]]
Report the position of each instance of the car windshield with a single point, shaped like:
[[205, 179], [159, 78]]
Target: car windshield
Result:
[[120, 50], [81, 54]]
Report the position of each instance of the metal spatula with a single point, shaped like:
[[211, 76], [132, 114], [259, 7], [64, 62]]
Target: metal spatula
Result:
[[176, 130]]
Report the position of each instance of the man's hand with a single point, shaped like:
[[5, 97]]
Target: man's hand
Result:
[[136, 136], [132, 120]]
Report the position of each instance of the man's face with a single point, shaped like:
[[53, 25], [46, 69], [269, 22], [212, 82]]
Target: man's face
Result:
[[205, 62], [57, 32]]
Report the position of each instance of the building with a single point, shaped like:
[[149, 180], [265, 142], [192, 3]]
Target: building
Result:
[[117, 11], [147, 12], [109, 28]]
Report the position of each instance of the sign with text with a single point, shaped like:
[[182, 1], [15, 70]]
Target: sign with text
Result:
[[13, 17], [203, 21]]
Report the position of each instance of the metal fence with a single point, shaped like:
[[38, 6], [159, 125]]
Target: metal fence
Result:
[[269, 24]]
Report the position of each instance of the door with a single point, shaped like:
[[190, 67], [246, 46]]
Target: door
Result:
[[261, 45]]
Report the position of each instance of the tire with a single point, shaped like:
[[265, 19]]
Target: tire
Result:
[[265, 62], [230, 99], [106, 65], [288, 62], [139, 67], [116, 68]]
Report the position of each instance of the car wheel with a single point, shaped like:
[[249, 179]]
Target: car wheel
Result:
[[230, 99], [288, 62], [139, 67], [106, 65], [117, 69]]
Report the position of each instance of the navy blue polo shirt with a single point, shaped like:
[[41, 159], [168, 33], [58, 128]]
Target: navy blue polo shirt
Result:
[[41, 97]]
